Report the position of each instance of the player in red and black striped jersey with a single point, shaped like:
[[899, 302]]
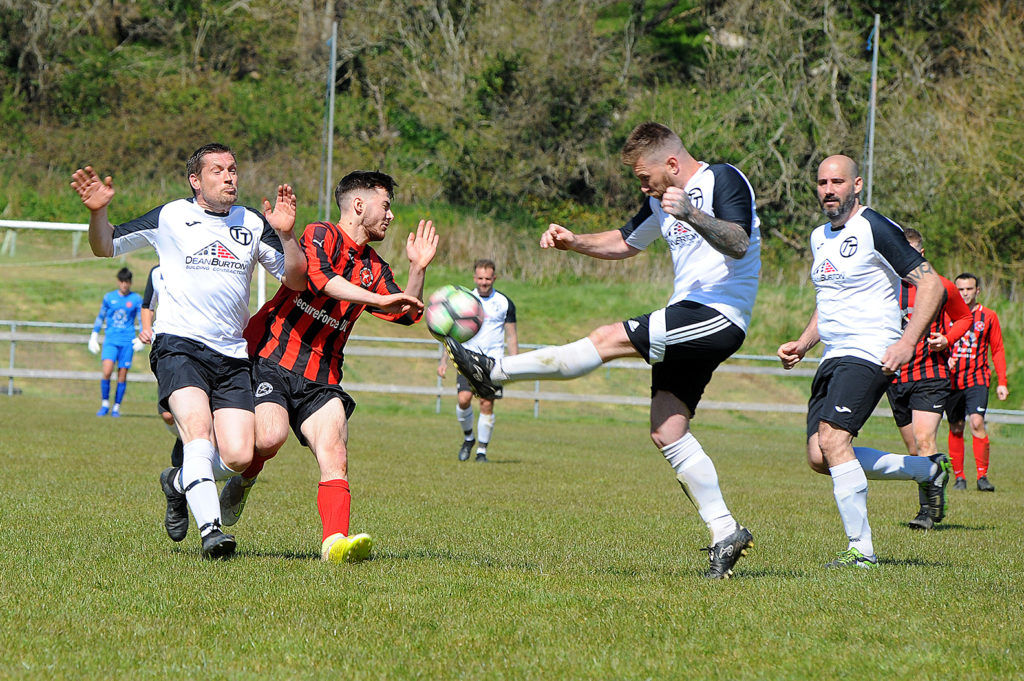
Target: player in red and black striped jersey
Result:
[[970, 376], [298, 342], [920, 393]]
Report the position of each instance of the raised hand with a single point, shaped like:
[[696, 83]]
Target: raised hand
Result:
[[282, 216], [95, 193], [421, 246]]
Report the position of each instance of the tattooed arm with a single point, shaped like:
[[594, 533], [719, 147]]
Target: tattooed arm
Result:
[[927, 300], [727, 238]]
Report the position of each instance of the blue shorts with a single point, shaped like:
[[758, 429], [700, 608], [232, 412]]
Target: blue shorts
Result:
[[122, 354]]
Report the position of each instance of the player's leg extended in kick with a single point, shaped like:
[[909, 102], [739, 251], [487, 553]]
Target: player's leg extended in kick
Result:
[[696, 474], [326, 431], [557, 363]]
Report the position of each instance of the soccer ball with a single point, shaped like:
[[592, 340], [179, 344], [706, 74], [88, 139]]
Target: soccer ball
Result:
[[454, 312]]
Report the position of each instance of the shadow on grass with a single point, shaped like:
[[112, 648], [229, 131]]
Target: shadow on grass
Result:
[[912, 562], [953, 527]]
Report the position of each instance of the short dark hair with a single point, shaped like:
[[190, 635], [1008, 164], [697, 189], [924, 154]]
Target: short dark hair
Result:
[[485, 263], [195, 161], [364, 179], [969, 275], [645, 138], [124, 274]]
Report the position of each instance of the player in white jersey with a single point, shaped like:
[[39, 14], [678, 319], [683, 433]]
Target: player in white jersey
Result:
[[499, 323], [859, 258], [706, 214], [208, 249], [154, 286]]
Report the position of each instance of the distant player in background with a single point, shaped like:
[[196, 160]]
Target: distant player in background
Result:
[[119, 312], [499, 324], [208, 248], [155, 284], [860, 256], [971, 375], [921, 391], [298, 343], [706, 215]]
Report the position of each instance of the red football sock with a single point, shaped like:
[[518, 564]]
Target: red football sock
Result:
[[334, 501], [981, 455], [258, 461], [956, 453]]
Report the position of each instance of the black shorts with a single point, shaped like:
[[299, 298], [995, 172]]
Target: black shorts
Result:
[[844, 392], [971, 400], [462, 385], [300, 396], [684, 343], [928, 394], [184, 363]]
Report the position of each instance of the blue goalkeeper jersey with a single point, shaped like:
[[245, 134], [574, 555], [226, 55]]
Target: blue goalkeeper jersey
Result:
[[120, 314]]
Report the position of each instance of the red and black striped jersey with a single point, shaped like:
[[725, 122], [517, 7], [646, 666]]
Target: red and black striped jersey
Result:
[[305, 331], [925, 363], [970, 354]]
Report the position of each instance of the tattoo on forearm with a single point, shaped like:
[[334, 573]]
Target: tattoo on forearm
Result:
[[727, 238], [918, 274]]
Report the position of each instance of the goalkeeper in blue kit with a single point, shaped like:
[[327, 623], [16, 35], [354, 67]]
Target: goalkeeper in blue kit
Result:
[[120, 314]]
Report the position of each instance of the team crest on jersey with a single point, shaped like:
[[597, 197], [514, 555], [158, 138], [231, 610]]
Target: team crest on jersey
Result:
[[979, 326], [696, 197], [365, 277], [848, 247], [826, 271], [240, 234], [215, 256], [264, 389]]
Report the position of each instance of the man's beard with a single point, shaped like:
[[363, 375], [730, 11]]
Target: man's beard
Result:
[[843, 208]]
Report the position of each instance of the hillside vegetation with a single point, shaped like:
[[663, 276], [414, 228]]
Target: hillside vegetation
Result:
[[515, 109]]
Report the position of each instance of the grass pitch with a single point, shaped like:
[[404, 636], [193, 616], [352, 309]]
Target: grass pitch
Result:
[[573, 555]]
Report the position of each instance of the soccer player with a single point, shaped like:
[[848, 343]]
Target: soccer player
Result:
[[971, 375], [706, 214], [119, 312], [155, 284], [208, 249], [298, 341], [859, 258], [921, 391], [499, 324]]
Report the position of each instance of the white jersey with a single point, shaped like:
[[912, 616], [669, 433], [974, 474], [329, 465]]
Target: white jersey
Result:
[[856, 273], [702, 274], [206, 262], [498, 311]]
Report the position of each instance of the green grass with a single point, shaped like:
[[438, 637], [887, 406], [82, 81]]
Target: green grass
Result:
[[572, 556]]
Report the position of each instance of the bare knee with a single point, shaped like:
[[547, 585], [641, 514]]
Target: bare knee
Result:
[[333, 461]]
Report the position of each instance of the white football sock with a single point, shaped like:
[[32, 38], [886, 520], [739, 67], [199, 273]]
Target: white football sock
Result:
[[484, 428], [697, 476], [850, 488], [557, 363], [220, 469], [465, 417], [197, 479], [879, 465]]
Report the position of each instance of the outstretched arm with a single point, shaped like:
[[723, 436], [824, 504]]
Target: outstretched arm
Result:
[[602, 245], [282, 218], [96, 195], [727, 238], [340, 288]]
